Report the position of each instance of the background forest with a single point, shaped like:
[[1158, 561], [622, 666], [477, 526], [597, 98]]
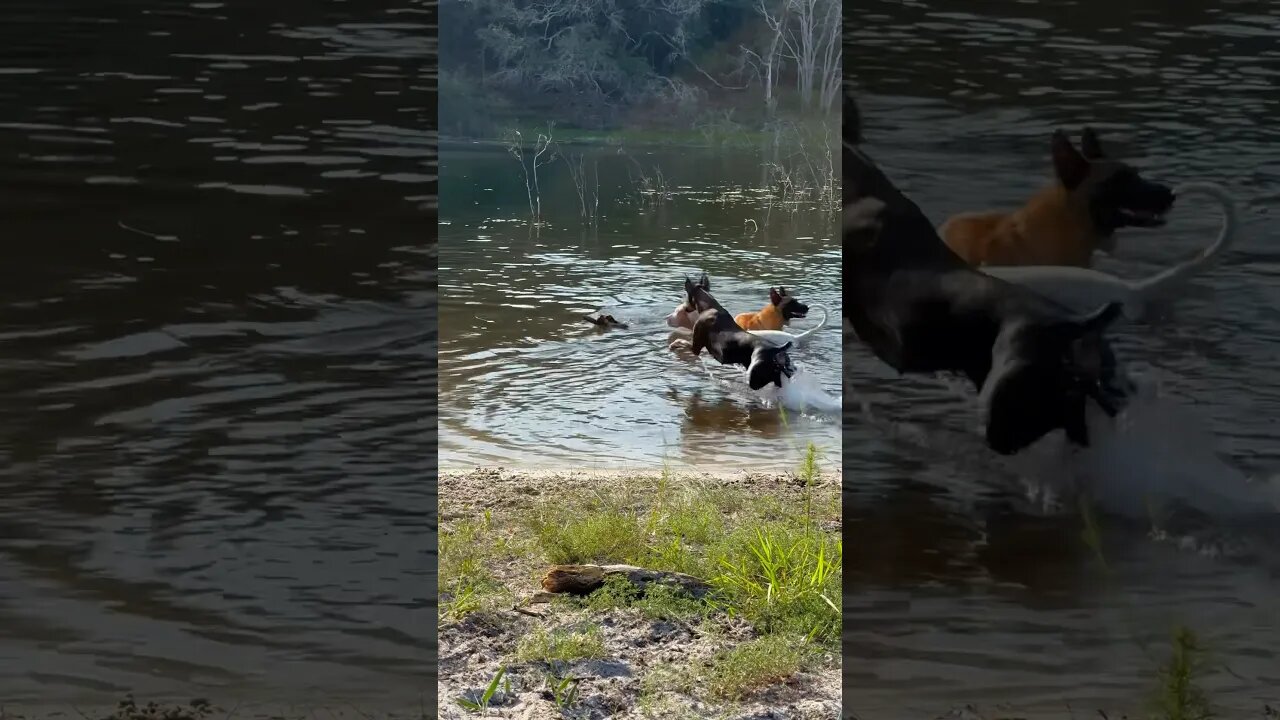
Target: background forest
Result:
[[702, 71]]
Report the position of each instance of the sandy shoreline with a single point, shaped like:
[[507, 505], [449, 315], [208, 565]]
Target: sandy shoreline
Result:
[[500, 485]]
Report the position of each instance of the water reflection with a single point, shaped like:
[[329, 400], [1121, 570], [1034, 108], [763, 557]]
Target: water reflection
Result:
[[218, 375]]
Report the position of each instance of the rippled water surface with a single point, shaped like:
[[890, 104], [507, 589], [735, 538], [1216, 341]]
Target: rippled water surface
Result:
[[525, 378], [216, 336], [968, 587]]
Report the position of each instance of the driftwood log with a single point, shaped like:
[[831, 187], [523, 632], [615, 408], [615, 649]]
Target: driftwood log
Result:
[[585, 579]]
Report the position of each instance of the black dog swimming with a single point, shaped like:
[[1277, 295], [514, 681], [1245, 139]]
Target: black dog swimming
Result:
[[921, 309], [726, 341], [604, 322]]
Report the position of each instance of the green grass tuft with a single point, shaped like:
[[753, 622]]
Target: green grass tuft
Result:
[[561, 646], [610, 535], [1180, 696], [754, 665], [468, 551], [785, 579]]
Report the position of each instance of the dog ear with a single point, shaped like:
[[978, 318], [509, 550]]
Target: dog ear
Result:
[[1070, 166], [786, 346], [704, 282], [774, 296], [761, 373], [1090, 145]]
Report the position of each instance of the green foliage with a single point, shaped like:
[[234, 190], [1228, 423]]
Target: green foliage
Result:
[[785, 579], [753, 665], [1180, 696], [615, 63], [555, 647], [481, 704]]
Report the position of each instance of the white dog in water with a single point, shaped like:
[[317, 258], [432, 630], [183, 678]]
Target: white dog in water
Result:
[[802, 393], [1085, 289]]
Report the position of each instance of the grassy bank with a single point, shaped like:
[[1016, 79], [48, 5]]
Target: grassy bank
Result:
[[767, 635]]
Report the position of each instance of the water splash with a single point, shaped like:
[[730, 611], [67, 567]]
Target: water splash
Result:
[[1155, 456], [801, 393], [1158, 457]]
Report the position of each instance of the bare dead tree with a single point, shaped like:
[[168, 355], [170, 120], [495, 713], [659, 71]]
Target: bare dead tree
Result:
[[588, 197], [806, 32], [529, 169]]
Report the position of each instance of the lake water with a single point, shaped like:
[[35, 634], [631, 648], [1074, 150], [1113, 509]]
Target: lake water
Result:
[[967, 586], [524, 379], [217, 367]]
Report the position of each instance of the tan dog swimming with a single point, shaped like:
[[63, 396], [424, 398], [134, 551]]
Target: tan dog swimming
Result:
[[782, 309], [1091, 197]]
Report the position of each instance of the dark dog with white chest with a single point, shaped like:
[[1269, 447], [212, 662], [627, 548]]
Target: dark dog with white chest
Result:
[[922, 309], [716, 331]]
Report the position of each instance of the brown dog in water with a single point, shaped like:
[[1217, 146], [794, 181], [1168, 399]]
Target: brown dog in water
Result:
[[782, 309], [1091, 197], [604, 322]]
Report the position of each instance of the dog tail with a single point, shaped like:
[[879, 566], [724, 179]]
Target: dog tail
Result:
[[1203, 260], [809, 333]]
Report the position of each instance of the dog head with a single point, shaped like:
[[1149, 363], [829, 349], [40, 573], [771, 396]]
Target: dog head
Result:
[[769, 364], [686, 313], [788, 306], [1116, 194], [1042, 374], [682, 316]]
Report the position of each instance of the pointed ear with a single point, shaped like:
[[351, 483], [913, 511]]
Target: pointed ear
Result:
[[774, 296], [1070, 166], [704, 282], [1090, 145], [786, 346]]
